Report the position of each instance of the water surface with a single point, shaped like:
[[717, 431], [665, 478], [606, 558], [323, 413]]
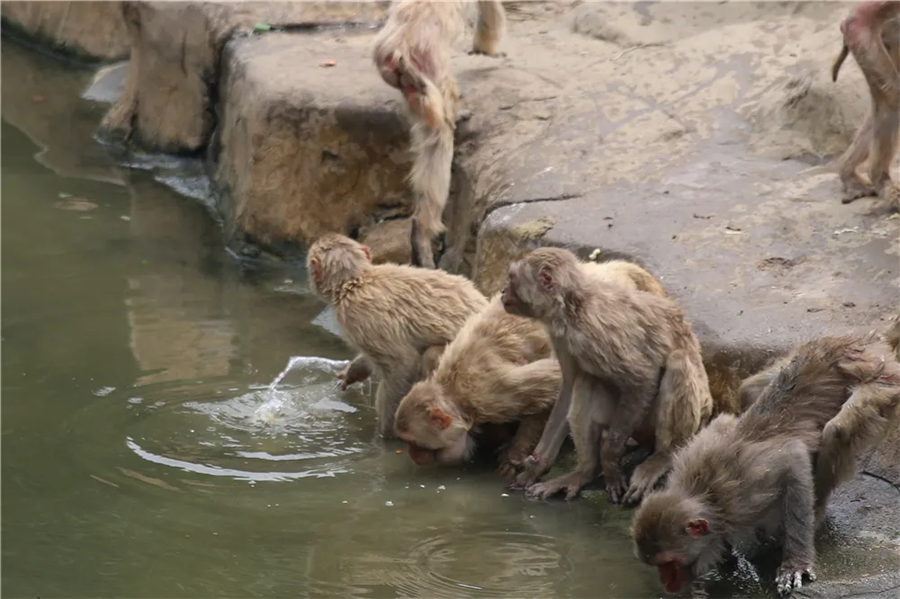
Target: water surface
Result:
[[144, 454]]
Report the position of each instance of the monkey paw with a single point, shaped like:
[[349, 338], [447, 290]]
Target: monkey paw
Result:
[[570, 484], [856, 189], [533, 469], [789, 577], [477, 52]]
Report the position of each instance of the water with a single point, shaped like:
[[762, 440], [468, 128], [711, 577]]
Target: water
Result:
[[155, 445]]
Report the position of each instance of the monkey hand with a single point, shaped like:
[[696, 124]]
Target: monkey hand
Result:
[[569, 483], [790, 574], [477, 52]]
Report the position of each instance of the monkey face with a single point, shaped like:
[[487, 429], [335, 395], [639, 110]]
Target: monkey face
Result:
[[668, 537], [431, 427], [511, 296]]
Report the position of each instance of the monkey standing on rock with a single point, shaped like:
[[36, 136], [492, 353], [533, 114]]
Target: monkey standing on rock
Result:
[[872, 34], [412, 55], [770, 472], [631, 355], [497, 371], [398, 317]]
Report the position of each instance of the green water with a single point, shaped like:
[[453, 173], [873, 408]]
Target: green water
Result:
[[144, 456]]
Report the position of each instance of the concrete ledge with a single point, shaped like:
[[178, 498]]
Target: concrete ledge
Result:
[[88, 31], [304, 148], [169, 99]]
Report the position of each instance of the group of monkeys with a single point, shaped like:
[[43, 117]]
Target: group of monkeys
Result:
[[601, 352]]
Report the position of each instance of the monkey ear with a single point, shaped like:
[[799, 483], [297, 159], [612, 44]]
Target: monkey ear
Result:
[[316, 270], [546, 278], [440, 419], [698, 528], [366, 252]]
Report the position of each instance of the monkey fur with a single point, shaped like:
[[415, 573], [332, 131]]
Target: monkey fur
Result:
[[576, 417], [392, 314], [497, 370], [632, 351], [769, 473], [872, 35], [412, 54]]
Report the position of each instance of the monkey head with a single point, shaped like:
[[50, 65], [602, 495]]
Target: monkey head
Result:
[[536, 284], [673, 534], [432, 426], [333, 260]]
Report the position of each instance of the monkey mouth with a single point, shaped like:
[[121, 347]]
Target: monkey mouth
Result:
[[674, 576]]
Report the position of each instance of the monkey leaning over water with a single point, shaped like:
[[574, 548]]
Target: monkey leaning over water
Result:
[[497, 371], [631, 354], [770, 472], [397, 317], [412, 54]]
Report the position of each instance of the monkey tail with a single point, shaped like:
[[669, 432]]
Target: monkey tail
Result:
[[490, 28], [429, 177], [836, 66]]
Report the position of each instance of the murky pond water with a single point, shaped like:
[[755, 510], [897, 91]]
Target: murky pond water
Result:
[[144, 454]]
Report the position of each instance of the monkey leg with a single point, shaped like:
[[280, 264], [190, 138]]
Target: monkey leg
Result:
[[527, 435], [854, 187], [586, 422], [430, 182], [490, 28], [864, 420], [555, 432], [357, 371], [799, 551], [684, 404], [884, 148], [398, 374], [634, 402]]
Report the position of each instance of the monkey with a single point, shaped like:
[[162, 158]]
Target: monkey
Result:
[[392, 314], [637, 344], [871, 33], [575, 416], [411, 53], [497, 370], [770, 471]]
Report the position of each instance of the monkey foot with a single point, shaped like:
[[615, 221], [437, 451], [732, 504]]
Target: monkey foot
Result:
[[476, 52], [856, 189], [534, 468], [570, 483], [645, 478], [789, 578], [615, 489]]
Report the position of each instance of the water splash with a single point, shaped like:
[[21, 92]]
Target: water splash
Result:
[[309, 361]]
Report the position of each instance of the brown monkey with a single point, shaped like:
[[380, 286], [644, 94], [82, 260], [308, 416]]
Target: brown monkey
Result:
[[497, 370], [872, 34], [392, 314], [575, 416], [635, 345], [412, 54], [769, 473]]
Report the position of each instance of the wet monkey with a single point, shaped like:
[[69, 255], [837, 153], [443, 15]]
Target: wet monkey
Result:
[[412, 54], [632, 355], [872, 35], [770, 472], [498, 371], [397, 317]]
